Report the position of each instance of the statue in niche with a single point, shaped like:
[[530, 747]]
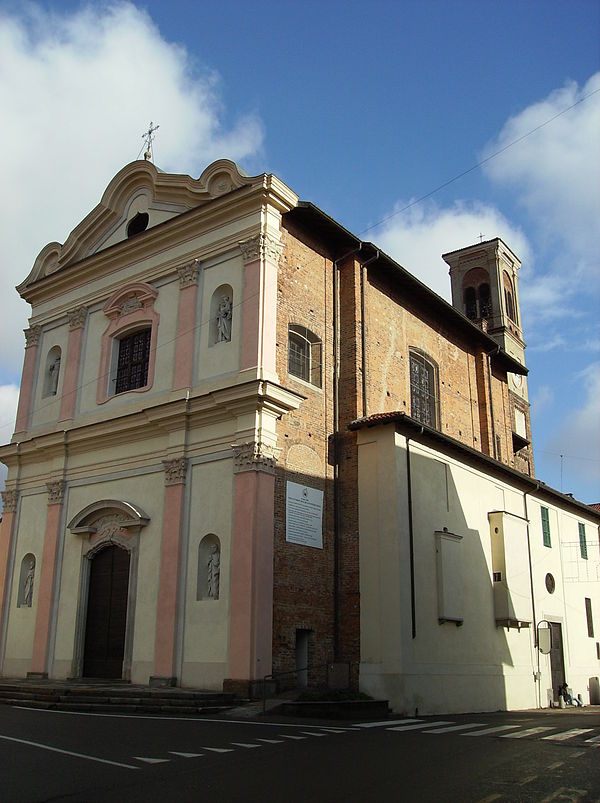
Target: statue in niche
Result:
[[224, 314], [53, 373], [213, 572], [28, 586]]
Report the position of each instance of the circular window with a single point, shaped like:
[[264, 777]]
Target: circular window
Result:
[[550, 584]]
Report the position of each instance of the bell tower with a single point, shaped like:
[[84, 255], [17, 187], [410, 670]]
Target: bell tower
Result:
[[484, 280]]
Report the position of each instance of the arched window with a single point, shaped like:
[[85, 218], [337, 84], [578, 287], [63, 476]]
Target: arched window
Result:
[[209, 568], [52, 372], [26, 580], [509, 298], [304, 354], [423, 389], [138, 224], [485, 302], [470, 303]]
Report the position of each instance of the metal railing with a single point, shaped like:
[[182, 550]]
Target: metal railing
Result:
[[275, 676]]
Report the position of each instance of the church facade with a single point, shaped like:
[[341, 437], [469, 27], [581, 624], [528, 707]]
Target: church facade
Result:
[[248, 442]]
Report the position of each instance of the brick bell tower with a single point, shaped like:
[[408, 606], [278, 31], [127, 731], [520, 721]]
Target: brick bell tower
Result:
[[484, 281]]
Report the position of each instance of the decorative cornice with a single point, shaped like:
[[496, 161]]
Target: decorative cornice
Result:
[[175, 471], [77, 317], [56, 492], [32, 336], [254, 456], [188, 274], [263, 245], [10, 500]]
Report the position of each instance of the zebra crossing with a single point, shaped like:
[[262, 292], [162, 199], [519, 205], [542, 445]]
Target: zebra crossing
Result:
[[551, 733]]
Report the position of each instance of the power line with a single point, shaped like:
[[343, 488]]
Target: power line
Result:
[[478, 164]]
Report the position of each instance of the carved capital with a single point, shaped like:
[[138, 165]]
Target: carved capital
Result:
[[254, 456], [261, 246], [77, 317], [56, 492], [175, 471], [32, 336], [10, 500], [188, 274]]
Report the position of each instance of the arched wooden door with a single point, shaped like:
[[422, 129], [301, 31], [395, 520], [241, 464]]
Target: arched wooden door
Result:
[[106, 614]]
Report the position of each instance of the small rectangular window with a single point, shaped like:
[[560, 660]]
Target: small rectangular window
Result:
[[133, 361], [588, 616], [582, 541], [546, 526]]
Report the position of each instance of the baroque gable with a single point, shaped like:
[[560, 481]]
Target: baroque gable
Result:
[[139, 189]]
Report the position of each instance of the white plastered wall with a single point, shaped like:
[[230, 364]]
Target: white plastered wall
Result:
[[445, 668]]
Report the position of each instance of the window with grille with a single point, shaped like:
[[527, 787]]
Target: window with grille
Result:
[[546, 526], [582, 541], [304, 355], [133, 360], [423, 395]]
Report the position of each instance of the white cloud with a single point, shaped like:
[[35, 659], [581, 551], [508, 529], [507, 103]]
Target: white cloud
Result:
[[77, 93], [9, 398], [578, 437], [555, 171], [418, 237], [541, 399]]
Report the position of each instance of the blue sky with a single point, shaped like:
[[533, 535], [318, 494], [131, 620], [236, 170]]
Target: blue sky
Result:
[[361, 108]]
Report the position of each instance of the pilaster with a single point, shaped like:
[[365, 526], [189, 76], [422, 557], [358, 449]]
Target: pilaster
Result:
[[32, 339], [10, 501], [186, 324], [77, 318]]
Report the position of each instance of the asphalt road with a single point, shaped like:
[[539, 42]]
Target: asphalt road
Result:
[[526, 756]]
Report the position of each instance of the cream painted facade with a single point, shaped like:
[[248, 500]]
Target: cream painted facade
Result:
[[158, 470], [453, 572]]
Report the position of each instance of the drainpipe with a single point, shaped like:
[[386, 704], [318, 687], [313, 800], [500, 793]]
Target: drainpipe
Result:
[[363, 336], [336, 430], [489, 367], [411, 541], [535, 637]]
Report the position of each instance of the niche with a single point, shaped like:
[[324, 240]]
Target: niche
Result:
[[26, 578], [221, 315], [209, 568], [52, 372]]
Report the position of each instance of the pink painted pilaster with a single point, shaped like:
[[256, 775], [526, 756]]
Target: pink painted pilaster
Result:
[[10, 501], [259, 304], [77, 318], [32, 339], [166, 620], [251, 619], [186, 325], [39, 661]]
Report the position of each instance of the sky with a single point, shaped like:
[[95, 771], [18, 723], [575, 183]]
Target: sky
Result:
[[418, 125]]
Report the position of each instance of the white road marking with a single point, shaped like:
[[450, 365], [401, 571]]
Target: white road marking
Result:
[[594, 740], [152, 760], [564, 735], [219, 749], [246, 744], [529, 779], [69, 752], [420, 726], [566, 793], [456, 728], [271, 741], [386, 722], [289, 736], [312, 733], [489, 799], [523, 734], [185, 755], [555, 766], [486, 731]]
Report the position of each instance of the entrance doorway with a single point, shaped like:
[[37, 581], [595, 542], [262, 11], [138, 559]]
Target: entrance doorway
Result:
[[106, 614], [557, 660], [302, 637]]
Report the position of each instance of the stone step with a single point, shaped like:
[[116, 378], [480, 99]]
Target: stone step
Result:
[[119, 707]]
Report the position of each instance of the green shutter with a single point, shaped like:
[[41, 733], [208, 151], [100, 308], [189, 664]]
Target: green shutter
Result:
[[546, 526], [582, 541]]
